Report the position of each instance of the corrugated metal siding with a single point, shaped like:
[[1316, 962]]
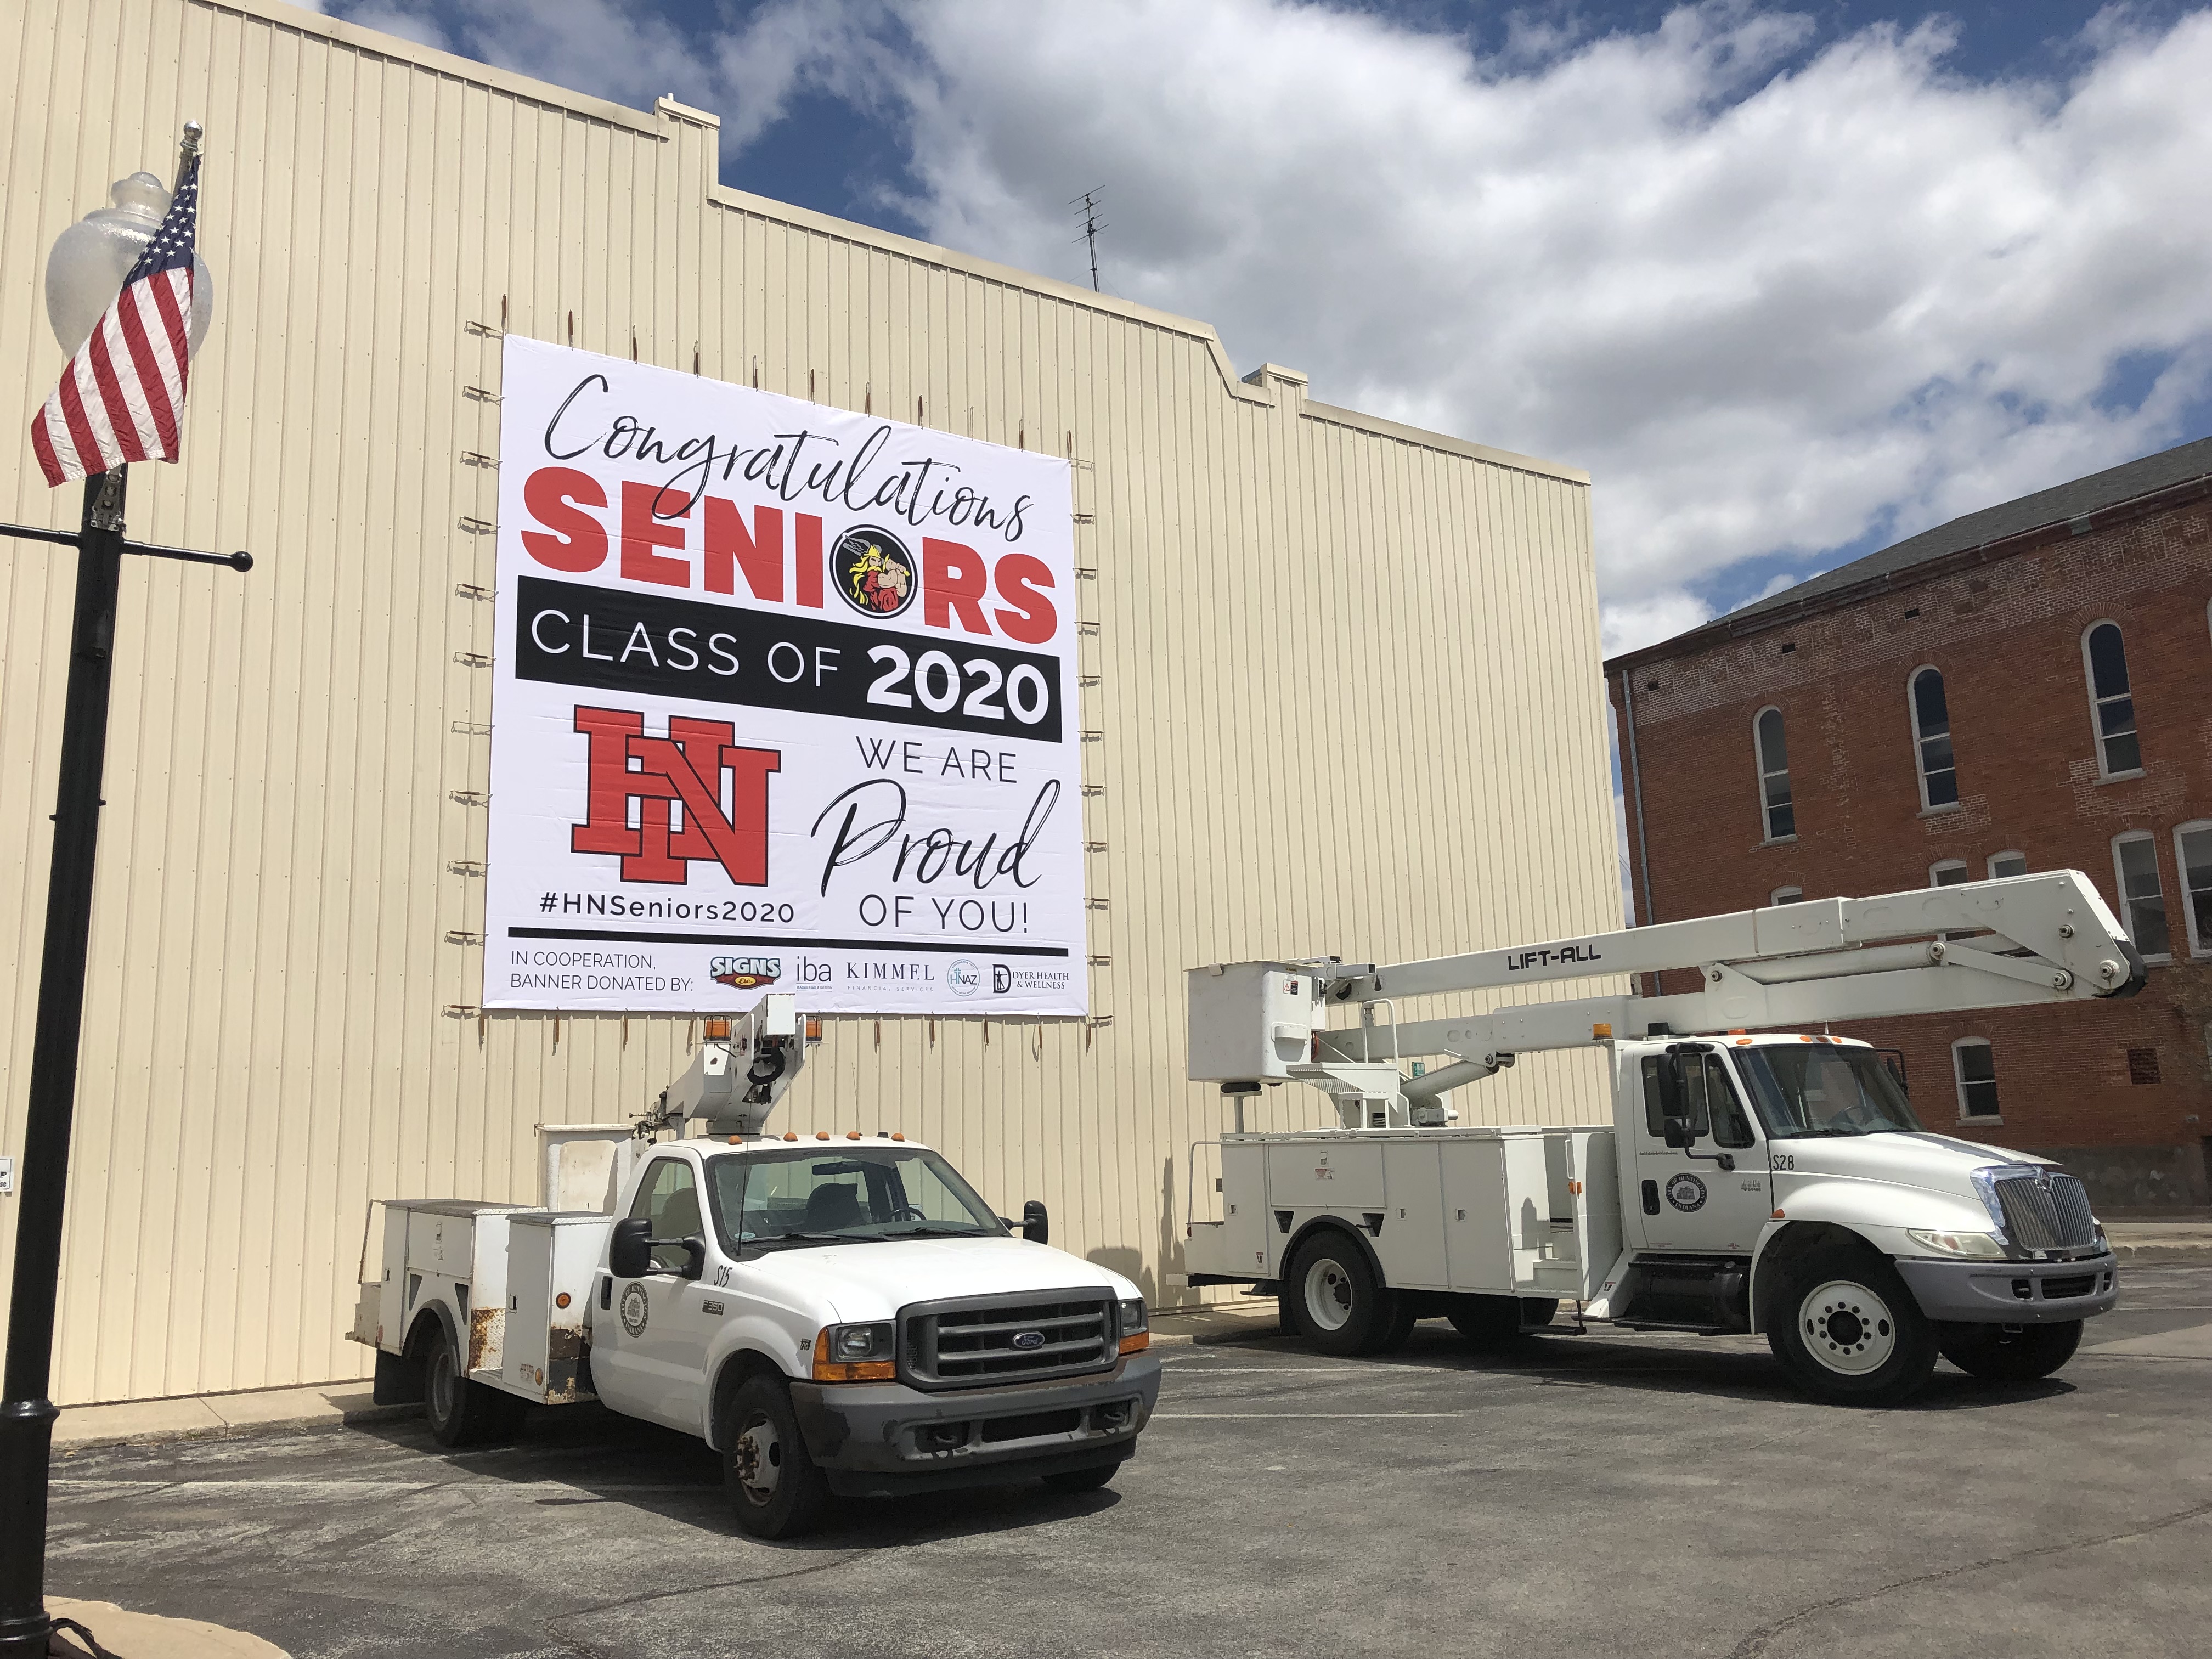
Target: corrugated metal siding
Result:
[[1348, 693]]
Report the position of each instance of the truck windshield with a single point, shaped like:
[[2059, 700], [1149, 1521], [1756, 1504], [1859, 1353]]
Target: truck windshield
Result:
[[818, 1196], [1805, 1089]]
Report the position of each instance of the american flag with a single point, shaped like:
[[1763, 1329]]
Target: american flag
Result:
[[121, 395]]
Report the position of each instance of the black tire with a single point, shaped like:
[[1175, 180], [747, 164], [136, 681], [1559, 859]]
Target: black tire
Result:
[[1339, 1304], [460, 1412], [1537, 1311], [1487, 1320], [1847, 1330], [2022, 1354], [1089, 1479], [775, 1490]]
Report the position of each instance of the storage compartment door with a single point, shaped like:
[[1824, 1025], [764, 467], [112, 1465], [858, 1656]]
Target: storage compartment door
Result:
[[1244, 1211], [1478, 1239], [1412, 1241], [1597, 1215], [1343, 1175]]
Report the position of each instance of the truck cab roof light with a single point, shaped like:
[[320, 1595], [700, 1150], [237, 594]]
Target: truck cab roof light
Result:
[[852, 1135], [895, 1135], [822, 1135], [790, 1134]]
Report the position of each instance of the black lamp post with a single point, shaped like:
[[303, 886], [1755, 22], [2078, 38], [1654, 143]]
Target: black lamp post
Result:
[[27, 1415]]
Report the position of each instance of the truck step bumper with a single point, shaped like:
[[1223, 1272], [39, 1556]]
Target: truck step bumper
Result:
[[2012, 1292], [887, 1437]]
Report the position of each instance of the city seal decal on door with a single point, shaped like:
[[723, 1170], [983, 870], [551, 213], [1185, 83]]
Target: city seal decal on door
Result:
[[1684, 1192], [635, 1310]]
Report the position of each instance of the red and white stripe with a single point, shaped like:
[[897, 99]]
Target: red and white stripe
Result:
[[119, 398]]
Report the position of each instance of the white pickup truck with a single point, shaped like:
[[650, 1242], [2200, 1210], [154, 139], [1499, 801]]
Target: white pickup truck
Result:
[[835, 1315]]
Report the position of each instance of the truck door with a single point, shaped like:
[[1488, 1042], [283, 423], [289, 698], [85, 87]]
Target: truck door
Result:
[[649, 1335], [1688, 1201]]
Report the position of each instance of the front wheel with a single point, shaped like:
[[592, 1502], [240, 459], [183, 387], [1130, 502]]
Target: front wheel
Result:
[[2017, 1353], [775, 1489], [1848, 1331]]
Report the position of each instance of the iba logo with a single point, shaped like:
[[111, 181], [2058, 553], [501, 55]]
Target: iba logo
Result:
[[688, 765], [1687, 1192], [635, 1310], [743, 973], [875, 572]]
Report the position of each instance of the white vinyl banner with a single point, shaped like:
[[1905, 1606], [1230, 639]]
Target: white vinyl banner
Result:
[[784, 697]]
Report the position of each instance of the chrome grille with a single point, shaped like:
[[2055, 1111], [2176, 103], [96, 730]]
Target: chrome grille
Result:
[[1022, 1338], [2045, 1216]]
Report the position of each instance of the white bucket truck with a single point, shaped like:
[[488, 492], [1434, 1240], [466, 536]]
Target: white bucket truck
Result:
[[835, 1315], [1746, 1181]]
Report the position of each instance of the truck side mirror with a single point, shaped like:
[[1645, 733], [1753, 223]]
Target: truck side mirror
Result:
[[1681, 1132], [1036, 1225], [1672, 1104], [694, 1257], [629, 1252]]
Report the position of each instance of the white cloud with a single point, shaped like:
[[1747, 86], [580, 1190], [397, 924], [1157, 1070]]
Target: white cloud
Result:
[[1775, 302], [1770, 310]]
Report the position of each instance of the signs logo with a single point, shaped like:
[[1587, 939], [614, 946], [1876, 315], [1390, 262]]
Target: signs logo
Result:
[[687, 768], [744, 973], [1687, 1192], [875, 572], [635, 1309]]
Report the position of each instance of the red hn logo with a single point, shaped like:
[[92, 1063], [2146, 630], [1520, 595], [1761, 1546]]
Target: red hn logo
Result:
[[686, 769]]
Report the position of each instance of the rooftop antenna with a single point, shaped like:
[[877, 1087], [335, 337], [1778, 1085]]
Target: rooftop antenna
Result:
[[1087, 203]]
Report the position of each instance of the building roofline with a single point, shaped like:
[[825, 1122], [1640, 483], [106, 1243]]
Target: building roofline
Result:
[[1260, 388], [1741, 624]]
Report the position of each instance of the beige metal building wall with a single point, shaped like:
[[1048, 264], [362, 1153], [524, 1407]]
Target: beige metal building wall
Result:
[[1346, 688]]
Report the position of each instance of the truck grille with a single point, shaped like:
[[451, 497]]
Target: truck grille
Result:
[[1023, 1338], [2045, 1216]]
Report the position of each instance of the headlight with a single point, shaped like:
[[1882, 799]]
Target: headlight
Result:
[[1984, 1246], [1136, 1329], [855, 1353]]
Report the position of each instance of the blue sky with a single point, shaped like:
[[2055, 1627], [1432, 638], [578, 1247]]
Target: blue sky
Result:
[[1792, 281]]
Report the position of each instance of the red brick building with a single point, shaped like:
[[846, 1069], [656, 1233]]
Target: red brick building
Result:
[[2026, 688]]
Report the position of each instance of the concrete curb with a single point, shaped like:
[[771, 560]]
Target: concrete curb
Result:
[[212, 1417], [148, 1636]]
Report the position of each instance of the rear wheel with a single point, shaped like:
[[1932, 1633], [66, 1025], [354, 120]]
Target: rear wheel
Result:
[[1848, 1331], [1486, 1320], [2017, 1353], [462, 1412], [1341, 1307], [775, 1489]]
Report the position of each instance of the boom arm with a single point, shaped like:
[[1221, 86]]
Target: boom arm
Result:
[[2036, 939], [734, 1083]]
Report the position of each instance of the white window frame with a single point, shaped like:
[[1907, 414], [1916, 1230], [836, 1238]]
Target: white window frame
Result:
[[1919, 751], [1786, 896], [2120, 890], [2198, 947], [2008, 853], [2106, 775], [1941, 865], [1958, 1081], [1767, 837]]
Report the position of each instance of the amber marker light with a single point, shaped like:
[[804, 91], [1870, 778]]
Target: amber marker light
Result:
[[561, 1300], [822, 1135], [790, 1134], [814, 1031], [852, 1135], [1778, 1215], [857, 1344], [1600, 1030]]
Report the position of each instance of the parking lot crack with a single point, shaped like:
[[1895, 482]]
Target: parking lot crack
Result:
[[1756, 1643], [645, 1597]]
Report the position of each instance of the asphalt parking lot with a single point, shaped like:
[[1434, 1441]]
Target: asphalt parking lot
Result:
[[1584, 1496]]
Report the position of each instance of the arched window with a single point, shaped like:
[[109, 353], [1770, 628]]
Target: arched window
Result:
[[1775, 809], [1973, 1066], [1786, 896], [2111, 708], [1946, 872], [2142, 900], [2007, 864], [1931, 740]]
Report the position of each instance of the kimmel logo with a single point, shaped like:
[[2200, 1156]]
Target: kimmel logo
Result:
[[685, 769], [1520, 961], [744, 973]]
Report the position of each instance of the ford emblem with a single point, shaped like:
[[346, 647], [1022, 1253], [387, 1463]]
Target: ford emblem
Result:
[[1027, 1340]]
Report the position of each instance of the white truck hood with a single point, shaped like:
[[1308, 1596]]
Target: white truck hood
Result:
[[858, 1283], [1937, 1163]]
